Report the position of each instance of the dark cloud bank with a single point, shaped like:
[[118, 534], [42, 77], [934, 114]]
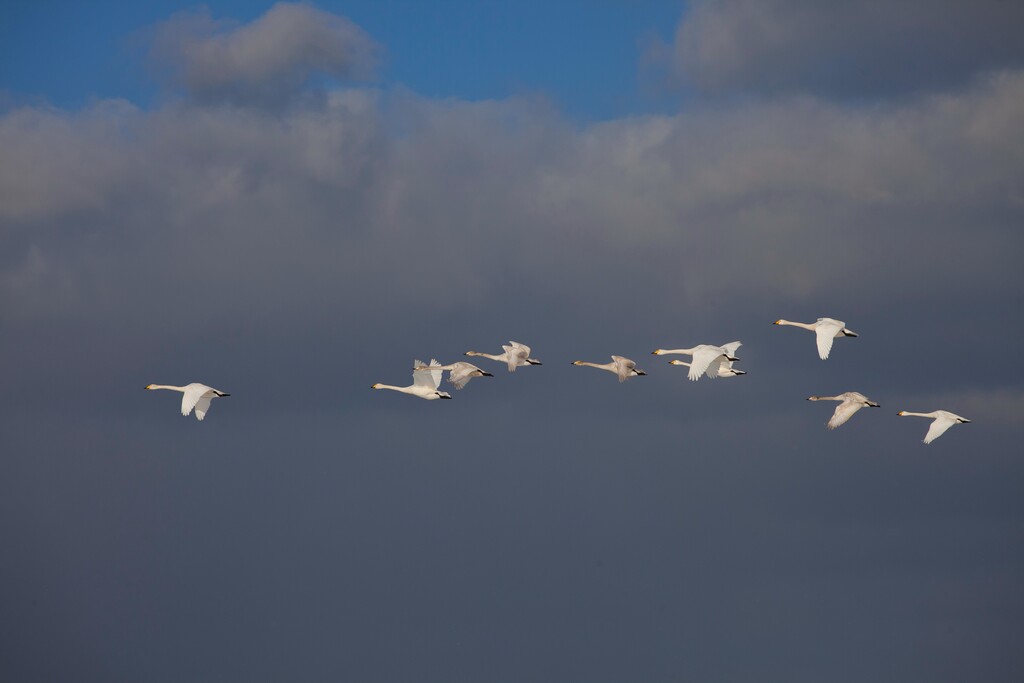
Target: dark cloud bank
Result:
[[550, 525]]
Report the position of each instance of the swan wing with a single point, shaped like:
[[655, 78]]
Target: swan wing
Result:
[[844, 411], [202, 405], [191, 396], [431, 378], [461, 373], [938, 428], [826, 333], [512, 356], [703, 357], [731, 347], [623, 367]]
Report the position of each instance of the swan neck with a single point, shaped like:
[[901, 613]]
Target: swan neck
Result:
[[166, 386], [806, 326]]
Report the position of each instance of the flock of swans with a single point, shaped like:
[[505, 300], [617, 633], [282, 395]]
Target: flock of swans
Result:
[[706, 360]]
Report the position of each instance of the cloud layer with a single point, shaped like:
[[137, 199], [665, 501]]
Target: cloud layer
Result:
[[841, 48]]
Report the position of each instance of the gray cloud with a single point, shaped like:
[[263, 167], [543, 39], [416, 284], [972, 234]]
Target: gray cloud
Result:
[[266, 61], [841, 48]]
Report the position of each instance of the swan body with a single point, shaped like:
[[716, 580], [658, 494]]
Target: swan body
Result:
[[724, 370], [826, 330], [459, 373], [707, 359], [194, 396], [851, 402], [624, 368], [515, 355], [424, 382], [942, 420]]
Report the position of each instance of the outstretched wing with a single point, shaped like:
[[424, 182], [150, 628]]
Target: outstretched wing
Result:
[[938, 428], [826, 334], [191, 396], [461, 373], [516, 354], [731, 347], [702, 360], [427, 378], [202, 405], [623, 367], [844, 411]]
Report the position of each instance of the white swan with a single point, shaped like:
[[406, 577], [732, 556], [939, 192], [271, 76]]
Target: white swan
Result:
[[707, 358], [195, 395], [943, 420], [623, 367], [724, 370], [424, 383], [826, 329], [515, 355], [852, 401], [459, 373]]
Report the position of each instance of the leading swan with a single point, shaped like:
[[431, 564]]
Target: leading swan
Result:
[[943, 420], [195, 395]]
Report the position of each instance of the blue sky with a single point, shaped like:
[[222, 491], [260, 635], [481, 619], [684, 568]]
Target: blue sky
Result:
[[586, 56]]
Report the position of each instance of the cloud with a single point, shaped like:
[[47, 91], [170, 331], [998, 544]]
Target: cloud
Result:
[[267, 61], [841, 48]]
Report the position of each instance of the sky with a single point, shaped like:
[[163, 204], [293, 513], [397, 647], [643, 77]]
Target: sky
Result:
[[291, 202]]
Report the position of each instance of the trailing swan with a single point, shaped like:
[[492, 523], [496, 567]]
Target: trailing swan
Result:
[[195, 395], [943, 420], [623, 367], [424, 382], [826, 330], [707, 358], [515, 354], [852, 401]]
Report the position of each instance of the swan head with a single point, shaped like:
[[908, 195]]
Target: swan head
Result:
[[657, 352], [150, 386], [778, 322], [902, 413], [577, 362], [376, 386]]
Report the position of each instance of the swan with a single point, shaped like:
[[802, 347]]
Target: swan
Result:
[[459, 373], [707, 358], [724, 370], [516, 354], [826, 329], [623, 367], [943, 420], [852, 401], [195, 395], [424, 383]]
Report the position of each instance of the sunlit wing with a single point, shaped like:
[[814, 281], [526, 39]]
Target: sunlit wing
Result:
[[202, 405], [702, 358], [826, 334], [844, 411], [938, 428], [190, 398]]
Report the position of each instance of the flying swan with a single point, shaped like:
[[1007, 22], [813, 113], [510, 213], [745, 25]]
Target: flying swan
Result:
[[826, 329], [724, 370], [515, 355], [195, 395], [707, 359], [623, 367], [459, 373], [852, 401], [424, 382], [943, 421]]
